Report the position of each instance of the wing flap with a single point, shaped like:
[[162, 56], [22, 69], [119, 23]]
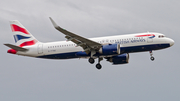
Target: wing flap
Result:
[[79, 43]]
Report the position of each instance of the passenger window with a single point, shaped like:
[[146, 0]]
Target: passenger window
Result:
[[161, 36]]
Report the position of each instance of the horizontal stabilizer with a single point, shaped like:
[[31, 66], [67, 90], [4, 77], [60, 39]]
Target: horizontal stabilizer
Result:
[[16, 47]]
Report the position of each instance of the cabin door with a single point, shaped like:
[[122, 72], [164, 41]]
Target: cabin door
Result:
[[40, 48], [149, 40]]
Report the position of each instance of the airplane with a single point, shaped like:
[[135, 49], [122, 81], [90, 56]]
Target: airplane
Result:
[[115, 49]]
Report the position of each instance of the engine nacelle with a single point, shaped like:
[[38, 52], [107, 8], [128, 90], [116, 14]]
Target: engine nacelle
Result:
[[110, 49], [119, 59]]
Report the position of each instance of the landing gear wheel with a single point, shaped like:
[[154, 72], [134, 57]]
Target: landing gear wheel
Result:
[[151, 54], [91, 60], [98, 66], [152, 58]]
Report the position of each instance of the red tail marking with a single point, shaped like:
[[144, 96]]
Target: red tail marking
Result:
[[20, 29], [12, 51], [28, 43]]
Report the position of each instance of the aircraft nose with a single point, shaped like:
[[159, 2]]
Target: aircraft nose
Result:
[[171, 42]]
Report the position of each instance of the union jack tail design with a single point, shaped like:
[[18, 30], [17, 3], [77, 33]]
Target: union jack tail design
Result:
[[21, 35]]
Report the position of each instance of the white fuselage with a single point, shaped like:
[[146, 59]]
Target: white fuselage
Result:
[[128, 43]]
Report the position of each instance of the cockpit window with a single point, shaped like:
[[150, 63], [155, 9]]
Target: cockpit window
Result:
[[161, 36]]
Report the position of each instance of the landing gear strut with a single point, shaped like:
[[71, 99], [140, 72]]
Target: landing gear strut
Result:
[[98, 65], [91, 60], [151, 54]]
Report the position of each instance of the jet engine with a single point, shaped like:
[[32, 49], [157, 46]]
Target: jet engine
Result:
[[110, 49], [119, 59]]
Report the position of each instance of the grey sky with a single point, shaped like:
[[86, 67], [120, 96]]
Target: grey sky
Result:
[[31, 79]]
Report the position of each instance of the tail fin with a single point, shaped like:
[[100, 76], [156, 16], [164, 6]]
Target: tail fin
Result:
[[22, 36]]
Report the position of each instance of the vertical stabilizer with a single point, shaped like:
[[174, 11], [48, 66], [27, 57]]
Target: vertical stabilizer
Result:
[[21, 35]]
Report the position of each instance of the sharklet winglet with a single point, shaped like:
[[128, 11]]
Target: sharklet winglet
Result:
[[54, 24]]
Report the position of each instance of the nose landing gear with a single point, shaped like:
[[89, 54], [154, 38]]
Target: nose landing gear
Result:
[[151, 54]]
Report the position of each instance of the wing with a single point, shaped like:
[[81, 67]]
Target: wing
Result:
[[87, 44]]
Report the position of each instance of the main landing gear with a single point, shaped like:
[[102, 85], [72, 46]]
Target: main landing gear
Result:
[[91, 60], [151, 54], [98, 65]]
